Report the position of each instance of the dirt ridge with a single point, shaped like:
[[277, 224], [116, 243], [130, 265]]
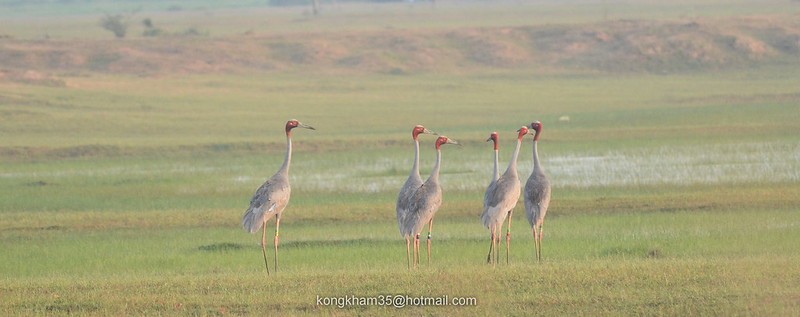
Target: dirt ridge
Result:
[[611, 46]]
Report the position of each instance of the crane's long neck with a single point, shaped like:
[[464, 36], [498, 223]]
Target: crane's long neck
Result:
[[536, 165], [435, 172], [415, 168], [496, 174], [288, 158], [512, 165]]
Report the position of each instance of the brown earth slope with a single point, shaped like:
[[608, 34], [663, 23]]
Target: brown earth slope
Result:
[[614, 46]]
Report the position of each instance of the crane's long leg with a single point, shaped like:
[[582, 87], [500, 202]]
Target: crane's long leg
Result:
[[491, 245], [497, 229], [537, 243], [263, 245], [492, 249], [430, 227], [508, 234], [277, 231], [416, 250], [541, 233], [408, 252]]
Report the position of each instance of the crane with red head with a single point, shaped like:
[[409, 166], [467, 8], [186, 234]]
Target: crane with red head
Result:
[[271, 198]]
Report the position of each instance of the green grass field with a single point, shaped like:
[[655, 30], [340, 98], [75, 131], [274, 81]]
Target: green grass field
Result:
[[673, 193]]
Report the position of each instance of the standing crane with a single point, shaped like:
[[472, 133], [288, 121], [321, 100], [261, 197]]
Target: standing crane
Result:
[[501, 197], [537, 194], [413, 182], [272, 197], [424, 203], [495, 138]]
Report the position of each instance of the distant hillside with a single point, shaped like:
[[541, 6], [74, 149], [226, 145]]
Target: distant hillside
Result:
[[614, 46]]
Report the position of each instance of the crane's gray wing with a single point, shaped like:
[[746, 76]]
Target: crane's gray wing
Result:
[[488, 212], [423, 206], [404, 201], [267, 200], [501, 197], [489, 195], [537, 198], [505, 193]]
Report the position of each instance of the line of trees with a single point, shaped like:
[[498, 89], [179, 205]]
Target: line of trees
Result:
[[118, 23]]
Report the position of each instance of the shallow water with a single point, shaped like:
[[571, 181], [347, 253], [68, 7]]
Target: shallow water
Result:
[[469, 169], [673, 165]]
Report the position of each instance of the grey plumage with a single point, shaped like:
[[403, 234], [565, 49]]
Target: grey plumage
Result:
[[404, 203], [406, 195], [411, 185], [537, 194], [537, 197], [503, 193], [271, 198], [424, 203], [501, 197]]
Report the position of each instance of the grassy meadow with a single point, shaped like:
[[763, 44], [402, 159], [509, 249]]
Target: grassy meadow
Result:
[[674, 193]]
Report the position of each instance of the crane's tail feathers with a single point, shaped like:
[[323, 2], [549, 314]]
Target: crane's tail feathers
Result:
[[491, 216], [401, 220], [253, 219], [487, 220], [411, 225], [532, 214]]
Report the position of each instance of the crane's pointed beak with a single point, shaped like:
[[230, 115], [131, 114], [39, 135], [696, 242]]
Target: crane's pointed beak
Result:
[[303, 125], [450, 141], [489, 139], [426, 131]]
